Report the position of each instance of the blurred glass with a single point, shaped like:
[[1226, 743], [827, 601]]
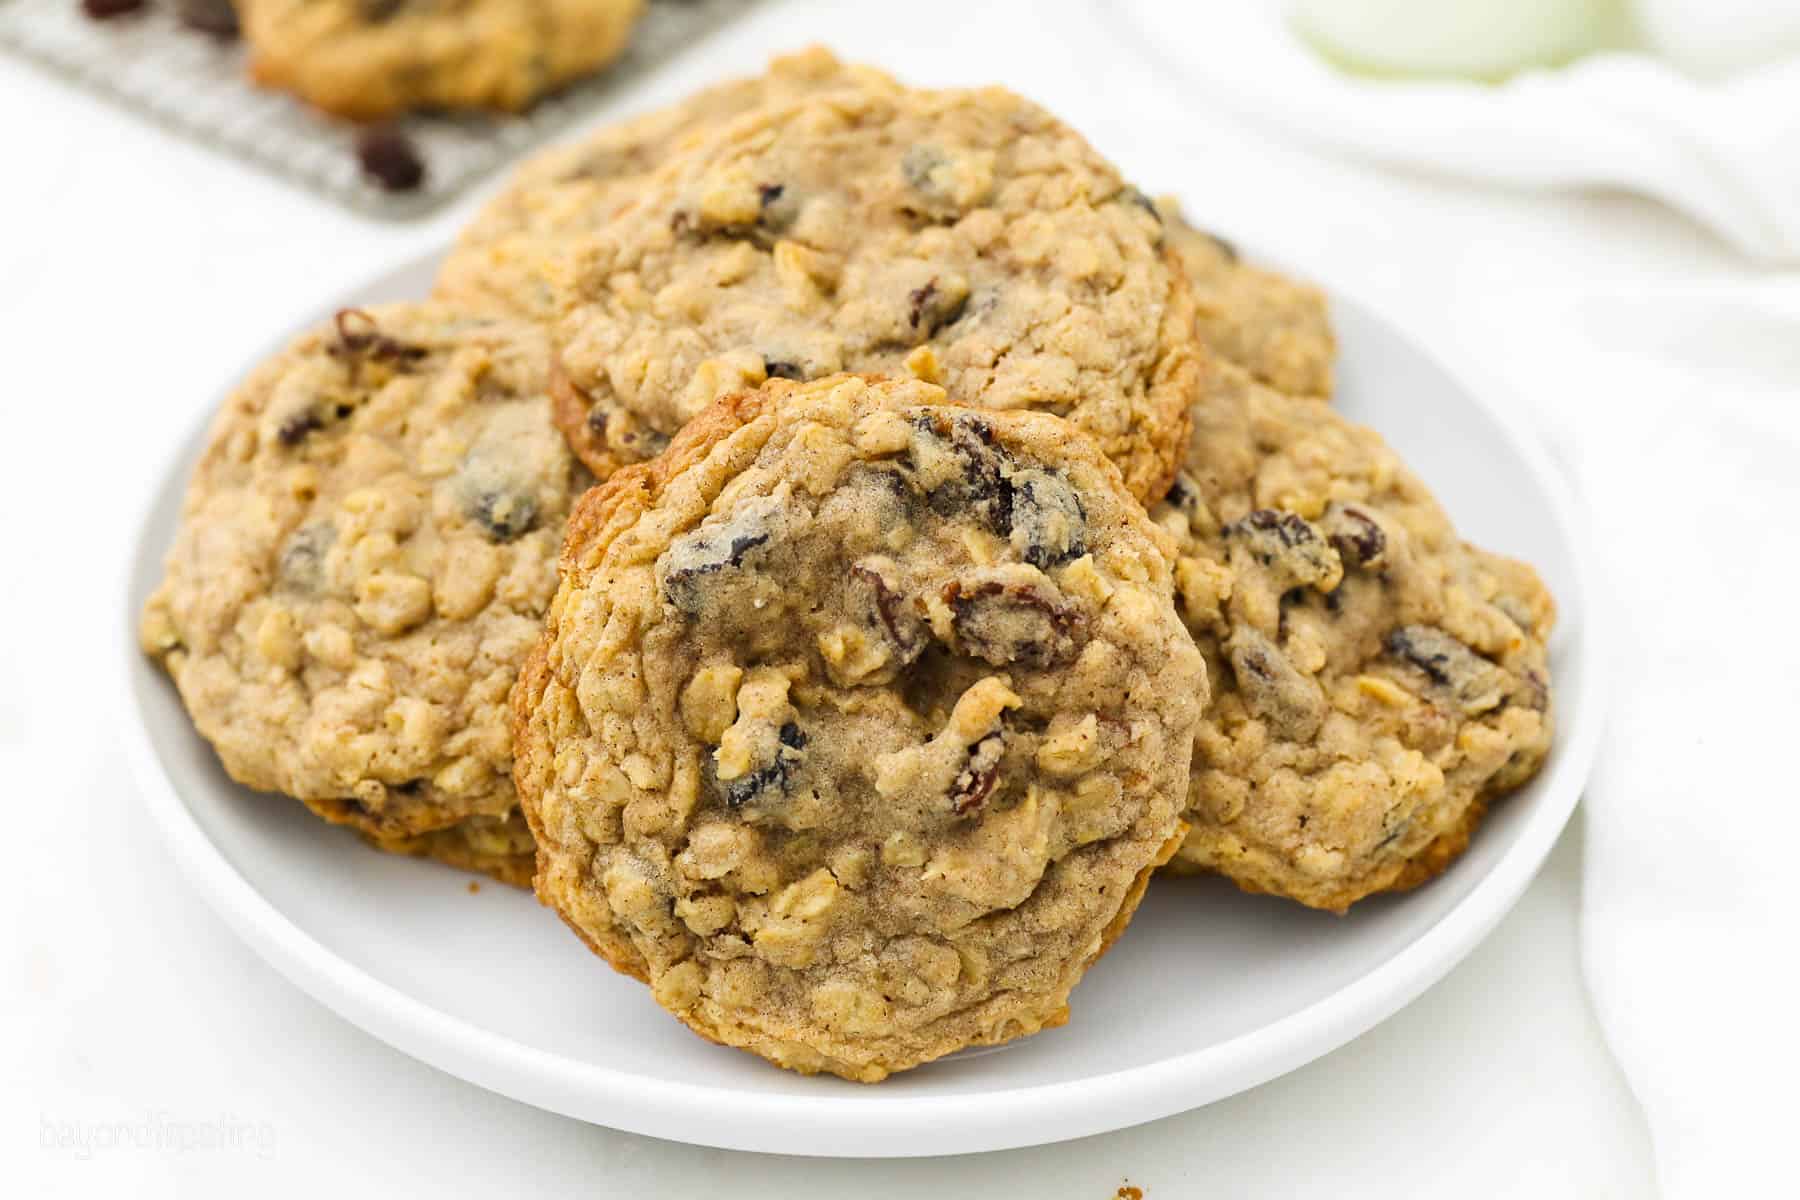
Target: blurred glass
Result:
[[1462, 39]]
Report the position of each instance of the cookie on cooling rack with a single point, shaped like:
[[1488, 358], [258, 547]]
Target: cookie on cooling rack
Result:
[[374, 58]]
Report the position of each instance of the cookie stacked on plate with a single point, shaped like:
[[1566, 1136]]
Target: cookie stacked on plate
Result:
[[969, 537]]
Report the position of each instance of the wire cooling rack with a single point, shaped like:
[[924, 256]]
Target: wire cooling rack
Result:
[[154, 65]]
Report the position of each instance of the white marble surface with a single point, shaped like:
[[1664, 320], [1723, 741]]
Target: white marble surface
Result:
[[136, 265]]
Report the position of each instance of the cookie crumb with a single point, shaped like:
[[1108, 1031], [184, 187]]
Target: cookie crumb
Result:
[[473, 887], [1129, 1192]]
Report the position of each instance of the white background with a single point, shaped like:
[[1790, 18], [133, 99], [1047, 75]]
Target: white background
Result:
[[134, 267]]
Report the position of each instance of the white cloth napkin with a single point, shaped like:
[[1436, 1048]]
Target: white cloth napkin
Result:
[[1726, 152], [1678, 415]]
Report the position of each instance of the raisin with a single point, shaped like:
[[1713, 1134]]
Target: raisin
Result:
[[917, 165], [1276, 691], [975, 783], [1185, 497], [777, 774], [390, 158], [779, 207], [1356, 535], [360, 338], [776, 210], [886, 609], [377, 11], [982, 485], [105, 10], [1049, 525], [930, 308], [705, 552], [302, 565], [928, 199], [624, 432], [985, 471], [1535, 689], [1289, 545], [1003, 623], [776, 368], [1474, 683], [293, 431], [502, 515], [216, 17]]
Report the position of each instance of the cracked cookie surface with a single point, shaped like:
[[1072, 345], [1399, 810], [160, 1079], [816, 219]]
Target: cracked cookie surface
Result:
[[367, 548], [963, 237], [1276, 328], [374, 58], [505, 257], [859, 722], [1376, 680]]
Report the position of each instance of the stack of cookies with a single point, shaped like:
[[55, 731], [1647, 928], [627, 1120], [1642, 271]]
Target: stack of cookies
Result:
[[839, 540]]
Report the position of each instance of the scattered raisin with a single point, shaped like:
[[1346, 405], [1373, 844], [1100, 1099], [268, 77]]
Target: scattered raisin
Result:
[[928, 200], [776, 774], [917, 165], [709, 550], [105, 10], [1003, 623], [776, 210], [984, 485], [502, 515], [293, 431], [780, 207], [377, 11], [1357, 536], [932, 309], [359, 337], [1475, 684], [883, 602], [1290, 546], [302, 565], [975, 783], [389, 157], [1049, 525], [1287, 700], [216, 17]]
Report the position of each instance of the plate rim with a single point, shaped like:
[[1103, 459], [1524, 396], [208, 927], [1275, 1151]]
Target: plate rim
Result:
[[878, 1125]]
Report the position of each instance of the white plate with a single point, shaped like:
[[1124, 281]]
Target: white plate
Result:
[[1210, 992]]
